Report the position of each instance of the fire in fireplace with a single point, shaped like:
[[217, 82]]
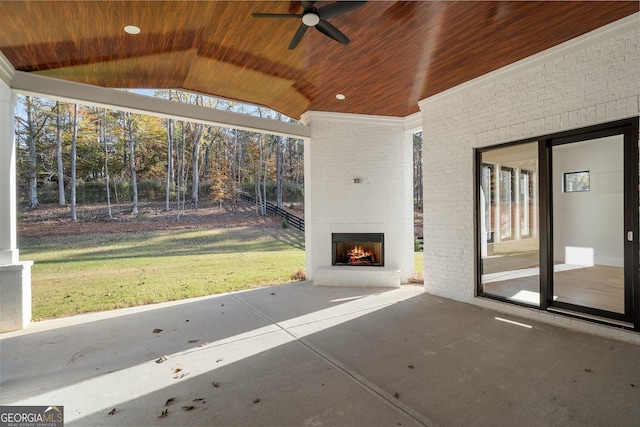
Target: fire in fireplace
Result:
[[361, 249]]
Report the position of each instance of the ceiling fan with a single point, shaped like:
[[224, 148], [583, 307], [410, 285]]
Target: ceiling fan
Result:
[[317, 17]]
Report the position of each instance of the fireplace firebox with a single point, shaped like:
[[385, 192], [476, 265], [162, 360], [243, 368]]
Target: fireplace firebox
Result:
[[358, 249]]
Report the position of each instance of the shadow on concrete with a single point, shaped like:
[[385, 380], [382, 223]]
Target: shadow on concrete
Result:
[[304, 355], [73, 349]]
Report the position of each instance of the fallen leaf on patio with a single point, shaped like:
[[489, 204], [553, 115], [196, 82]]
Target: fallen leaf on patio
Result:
[[175, 371], [256, 400], [216, 384], [192, 341], [178, 377], [396, 395], [111, 412], [410, 366], [164, 413], [587, 370], [169, 400], [272, 293], [157, 331], [198, 399], [187, 408], [162, 359]]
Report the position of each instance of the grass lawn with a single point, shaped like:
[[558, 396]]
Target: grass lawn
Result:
[[93, 272], [419, 263]]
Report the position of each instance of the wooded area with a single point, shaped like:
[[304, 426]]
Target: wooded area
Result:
[[69, 153]]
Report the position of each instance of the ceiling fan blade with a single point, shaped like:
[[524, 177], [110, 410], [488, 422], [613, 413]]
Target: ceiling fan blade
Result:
[[335, 9], [276, 15], [298, 36], [330, 31]]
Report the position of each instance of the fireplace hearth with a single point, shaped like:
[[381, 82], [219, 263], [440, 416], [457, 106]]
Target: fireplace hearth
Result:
[[358, 249]]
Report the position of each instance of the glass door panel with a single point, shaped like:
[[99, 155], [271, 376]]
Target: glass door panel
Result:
[[588, 224], [508, 218]]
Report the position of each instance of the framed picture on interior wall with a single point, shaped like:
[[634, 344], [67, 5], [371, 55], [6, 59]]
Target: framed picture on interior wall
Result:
[[576, 182]]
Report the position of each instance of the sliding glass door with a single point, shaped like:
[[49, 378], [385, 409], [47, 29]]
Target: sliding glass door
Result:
[[588, 222], [558, 222]]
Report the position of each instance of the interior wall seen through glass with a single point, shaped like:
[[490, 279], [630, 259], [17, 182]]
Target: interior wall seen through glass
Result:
[[508, 218], [588, 223]]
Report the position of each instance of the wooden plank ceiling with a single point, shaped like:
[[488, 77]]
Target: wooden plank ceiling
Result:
[[400, 52]]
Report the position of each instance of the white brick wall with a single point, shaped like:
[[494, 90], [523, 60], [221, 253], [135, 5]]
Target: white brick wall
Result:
[[590, 80], [377, 151]]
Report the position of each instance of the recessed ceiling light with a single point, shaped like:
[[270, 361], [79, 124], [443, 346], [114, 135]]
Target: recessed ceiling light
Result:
[[340, 96], [131, 29]]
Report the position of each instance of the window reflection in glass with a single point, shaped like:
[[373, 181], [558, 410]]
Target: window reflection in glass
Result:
[[510, 258]]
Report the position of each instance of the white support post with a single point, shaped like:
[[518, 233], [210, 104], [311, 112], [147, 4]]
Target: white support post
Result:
[[15, 276]]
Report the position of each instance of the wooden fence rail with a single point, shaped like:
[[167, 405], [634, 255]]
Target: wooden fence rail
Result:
[[293, 220]]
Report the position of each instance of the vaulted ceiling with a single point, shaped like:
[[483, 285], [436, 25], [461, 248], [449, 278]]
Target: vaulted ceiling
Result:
[[399, 53]]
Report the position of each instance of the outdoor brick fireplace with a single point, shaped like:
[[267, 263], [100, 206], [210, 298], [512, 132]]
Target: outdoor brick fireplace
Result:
[[358, 200], [358, 249]]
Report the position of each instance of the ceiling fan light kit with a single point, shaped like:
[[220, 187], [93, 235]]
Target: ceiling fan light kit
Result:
[[317, 17], [310, 19]]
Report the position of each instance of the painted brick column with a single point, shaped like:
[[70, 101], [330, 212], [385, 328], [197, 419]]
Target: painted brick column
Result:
[[358, 179], [15, 276]]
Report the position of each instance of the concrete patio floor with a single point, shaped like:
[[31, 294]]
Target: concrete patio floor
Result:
[[302, 355]]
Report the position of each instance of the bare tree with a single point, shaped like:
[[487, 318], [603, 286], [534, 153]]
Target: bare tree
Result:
[[132, 158], [417, 170], [34, 125], [197, 132], [181, 187], [169, 164], [262, 169], [74, 150], [101, 136], [279, 144], [61, 198]]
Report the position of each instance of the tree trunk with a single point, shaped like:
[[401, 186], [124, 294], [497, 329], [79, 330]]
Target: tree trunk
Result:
[[169, 164], [74, 144], [61, 198], [132, 158], [261, 206], [195, 163], [106, 161], [417, 171], [181, 174], [264, 180], [33, 177], [279, 142]]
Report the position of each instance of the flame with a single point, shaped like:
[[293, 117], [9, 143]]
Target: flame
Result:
[[358, 255], [358, 251]]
